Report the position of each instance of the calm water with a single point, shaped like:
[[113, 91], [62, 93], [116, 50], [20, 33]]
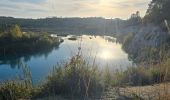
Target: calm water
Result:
[[104, 49]]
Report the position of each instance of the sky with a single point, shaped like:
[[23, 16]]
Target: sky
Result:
[[72, 8]]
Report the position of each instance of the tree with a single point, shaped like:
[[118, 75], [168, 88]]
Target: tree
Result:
[[135, 19], [158, 11], [15, 32], [135, 15]]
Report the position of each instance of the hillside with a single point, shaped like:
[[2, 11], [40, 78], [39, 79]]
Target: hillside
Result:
[[91, 25]]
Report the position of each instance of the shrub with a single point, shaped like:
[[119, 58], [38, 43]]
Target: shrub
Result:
[[15, 90], [143, 74], [15, 32], [75, 79]]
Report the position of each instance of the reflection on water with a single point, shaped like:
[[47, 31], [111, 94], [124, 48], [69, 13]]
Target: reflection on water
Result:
[[14, 59], [103, 49]]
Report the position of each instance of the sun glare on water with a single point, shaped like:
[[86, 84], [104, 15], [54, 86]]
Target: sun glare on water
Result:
[[105, 55]]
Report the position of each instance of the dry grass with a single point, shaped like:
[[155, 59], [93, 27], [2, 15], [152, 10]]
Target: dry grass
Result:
[[151, 92]]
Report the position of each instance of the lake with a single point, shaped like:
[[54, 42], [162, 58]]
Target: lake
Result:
[[103, 49]]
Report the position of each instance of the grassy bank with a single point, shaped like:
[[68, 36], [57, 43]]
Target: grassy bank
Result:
[[77, 79]]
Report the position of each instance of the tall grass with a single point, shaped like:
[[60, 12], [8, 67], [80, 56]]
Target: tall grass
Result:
[[18, 89], [15, 90], [76, 79]]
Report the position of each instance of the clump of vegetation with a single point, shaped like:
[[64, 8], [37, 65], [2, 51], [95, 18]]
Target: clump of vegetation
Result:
[[127, 39], [18, 89], [157, 12], [15, 90], [143, 75], [15, 32], [15, 43], [75, 79]]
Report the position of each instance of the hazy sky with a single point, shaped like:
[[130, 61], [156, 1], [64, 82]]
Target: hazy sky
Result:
[[72, 8]]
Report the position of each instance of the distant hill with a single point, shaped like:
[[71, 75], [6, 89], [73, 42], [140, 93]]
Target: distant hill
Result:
[[91, 25]]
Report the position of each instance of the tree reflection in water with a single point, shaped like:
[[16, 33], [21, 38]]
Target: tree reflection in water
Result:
[[14, 59]]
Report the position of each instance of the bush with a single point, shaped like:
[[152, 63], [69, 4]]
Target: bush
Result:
[[15, 32], [143, 75], [15, 91], [75, 79]]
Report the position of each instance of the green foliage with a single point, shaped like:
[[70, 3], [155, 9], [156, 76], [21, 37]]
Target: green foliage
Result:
[[143, 75], [107, 78], [15, 32], [157, 11], [75, 79], [127, 39], [15, 91], [45, 38], [18, 89], [135, 19], [92, 25], [16, 44]]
